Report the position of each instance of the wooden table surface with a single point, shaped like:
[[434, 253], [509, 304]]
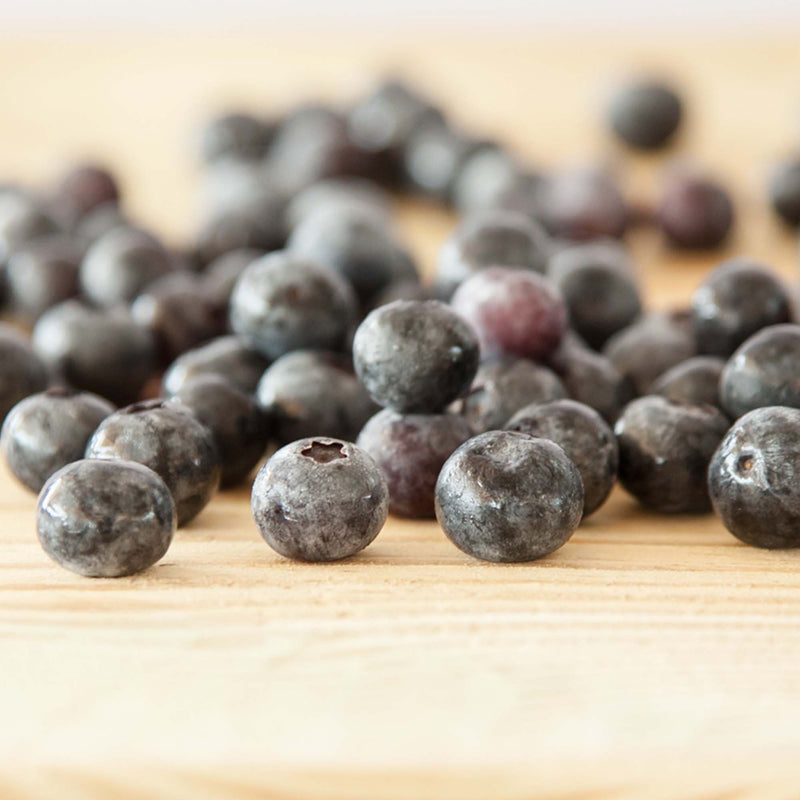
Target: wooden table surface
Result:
[[651, 656]]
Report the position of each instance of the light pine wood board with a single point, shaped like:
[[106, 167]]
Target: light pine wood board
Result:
[[650, 657]]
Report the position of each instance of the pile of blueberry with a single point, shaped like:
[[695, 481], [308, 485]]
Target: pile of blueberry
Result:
[[505, 399]]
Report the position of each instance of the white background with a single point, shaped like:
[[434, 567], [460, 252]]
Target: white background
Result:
[[681, 15]]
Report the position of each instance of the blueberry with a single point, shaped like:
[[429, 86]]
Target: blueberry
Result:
[[583, 435], [754, 478], [737, 299], [504, 385], [179, 315], [409, 289], [231, 183], [252, 219], [383, 122], [490, 178], [282, 303], [99, 221], [645, 114], [105, 519], [490, 239], [411, 449], [220, 276], [344, 195], [235, 134], [695, 212], [599, 288], [764, 371], [514, 312], [314, 143], [356, 244], [119, 265], [505, 496], [664, 451], [784, 190], [86, 187], [314, 393], [319, 499], [22, 372], [241, 430], [579, 205], [415, 357], [225, 357], [42, 274], [22, 220], [592, 379], [99, 351], [694, 381], [649, 347], [166, 437], [433, 156], [484, 174], [47, 431]]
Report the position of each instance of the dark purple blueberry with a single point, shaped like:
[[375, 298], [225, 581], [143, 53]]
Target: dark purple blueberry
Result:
[[505, 496], [282, 303], [645, 114], [99, 351], [355, 243], [514, 312], [319, 499], [47, 431], [220, 276], [346, 194], [22, 372], [180, 316], [490, 239], [166, 437], [415, 357], [737, 299], [492, 179], [648, 348], [252, 220], [754, 478], [313, 143], [411, 450], [225, 357], [105, 519], [86, 187], [383, 122], [241, 430], [314, 393], [784, 190], [664, 451], [582, 204], [119, 265], [504, 385], [598, 285], [583, 435], [764, 371], [42, 274], [235, 134], [591, 378], [433, 156], [694, 381], [695, 212]]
